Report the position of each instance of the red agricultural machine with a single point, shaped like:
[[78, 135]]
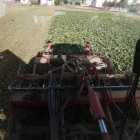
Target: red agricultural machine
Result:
[[74, 97]]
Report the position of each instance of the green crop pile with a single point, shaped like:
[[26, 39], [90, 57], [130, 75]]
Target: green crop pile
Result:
[[112, 35]]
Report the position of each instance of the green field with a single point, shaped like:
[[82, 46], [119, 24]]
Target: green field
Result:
[[112, 35]]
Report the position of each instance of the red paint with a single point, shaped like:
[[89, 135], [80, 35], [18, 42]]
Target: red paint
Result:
[[110, 63], [106, 98], [49, 44], [87, 44], [49, 47], [86, 48], [20, 76], [95, 104], [96, 74], [83, 100], [105, 136], [10, 120]]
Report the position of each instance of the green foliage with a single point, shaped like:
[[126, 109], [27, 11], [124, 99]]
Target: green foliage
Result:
[[123, 3], [113, 36], [57, 2], [111, 4], [105, 3], [118, 4], [61, 3], [71, 2], [134, 8], [34, 2], [65, 1], [77, 3]]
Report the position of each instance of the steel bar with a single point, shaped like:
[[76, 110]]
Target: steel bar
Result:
[[18, 70], [103, 129], [113, 87], [45, 88], [109, 76], [68, 87], [102, 125]]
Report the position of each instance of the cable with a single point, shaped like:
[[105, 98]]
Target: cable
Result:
[[137, 106], [11, 85], [32, 84], [137, 130], [129, 87], [62, 110], [71, 75], [34, 99], [128, 103], [74, 79], [24, 79], [115, 103], [113, 99], [49, 102]]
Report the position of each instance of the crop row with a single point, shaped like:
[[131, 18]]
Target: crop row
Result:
[[112, 35]]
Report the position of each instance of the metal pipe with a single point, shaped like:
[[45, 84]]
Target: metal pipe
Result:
[[113, 87], [43, 89], [111, 122], [68, 87], [97, 111], [102, 126], [18, 70], [103, 129]]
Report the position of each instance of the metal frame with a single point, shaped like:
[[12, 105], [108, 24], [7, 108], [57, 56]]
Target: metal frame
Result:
[[96, 96]]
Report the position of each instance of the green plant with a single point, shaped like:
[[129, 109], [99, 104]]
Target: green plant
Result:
[[77, 3], [71, 2], [34, 2], [113, 36], [134, 8], [105, 3], [57, 2], [123, 3], [111, 4], [61, 3], [65, 1]]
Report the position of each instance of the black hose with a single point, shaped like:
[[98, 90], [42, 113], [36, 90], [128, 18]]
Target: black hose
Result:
[[53, 107], [128, 103], [72, 75], [34, 99], [137, 106], [62, 110], [115, 103], [24, 79], [49, 102], [128, 88]]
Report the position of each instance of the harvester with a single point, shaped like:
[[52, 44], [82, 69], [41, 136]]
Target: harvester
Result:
[[75, 97]]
